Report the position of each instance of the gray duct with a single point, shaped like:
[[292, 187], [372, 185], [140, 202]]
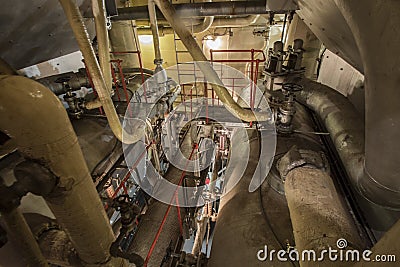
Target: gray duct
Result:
[[378, 40]]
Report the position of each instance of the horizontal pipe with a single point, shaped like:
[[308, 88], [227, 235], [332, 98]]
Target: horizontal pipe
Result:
[[203, 9], [75, 81], [381, 183], [103, 42], [235, 22], [208, 22], [78, 27]]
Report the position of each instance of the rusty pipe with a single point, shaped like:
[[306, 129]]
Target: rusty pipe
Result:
[[78, 27], [35, 118], [197, 54]]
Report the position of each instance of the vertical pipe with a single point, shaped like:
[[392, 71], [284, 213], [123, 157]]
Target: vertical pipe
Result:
[[23, 237], [75, 19], [103, 42]]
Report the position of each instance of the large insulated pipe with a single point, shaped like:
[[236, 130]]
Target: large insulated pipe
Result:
[[318, 214], [103, 42], [197, 54], [240, 228], [35, 118], [20, 232], [78, 27], [207, 23], [374, 27]]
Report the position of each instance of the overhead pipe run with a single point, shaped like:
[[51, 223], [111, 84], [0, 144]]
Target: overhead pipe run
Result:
[[212, 77], [6, 69], [203, 9], [33, 116], [78, 27]]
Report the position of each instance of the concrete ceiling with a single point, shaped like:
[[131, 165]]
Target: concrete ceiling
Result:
[[35, 31]]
